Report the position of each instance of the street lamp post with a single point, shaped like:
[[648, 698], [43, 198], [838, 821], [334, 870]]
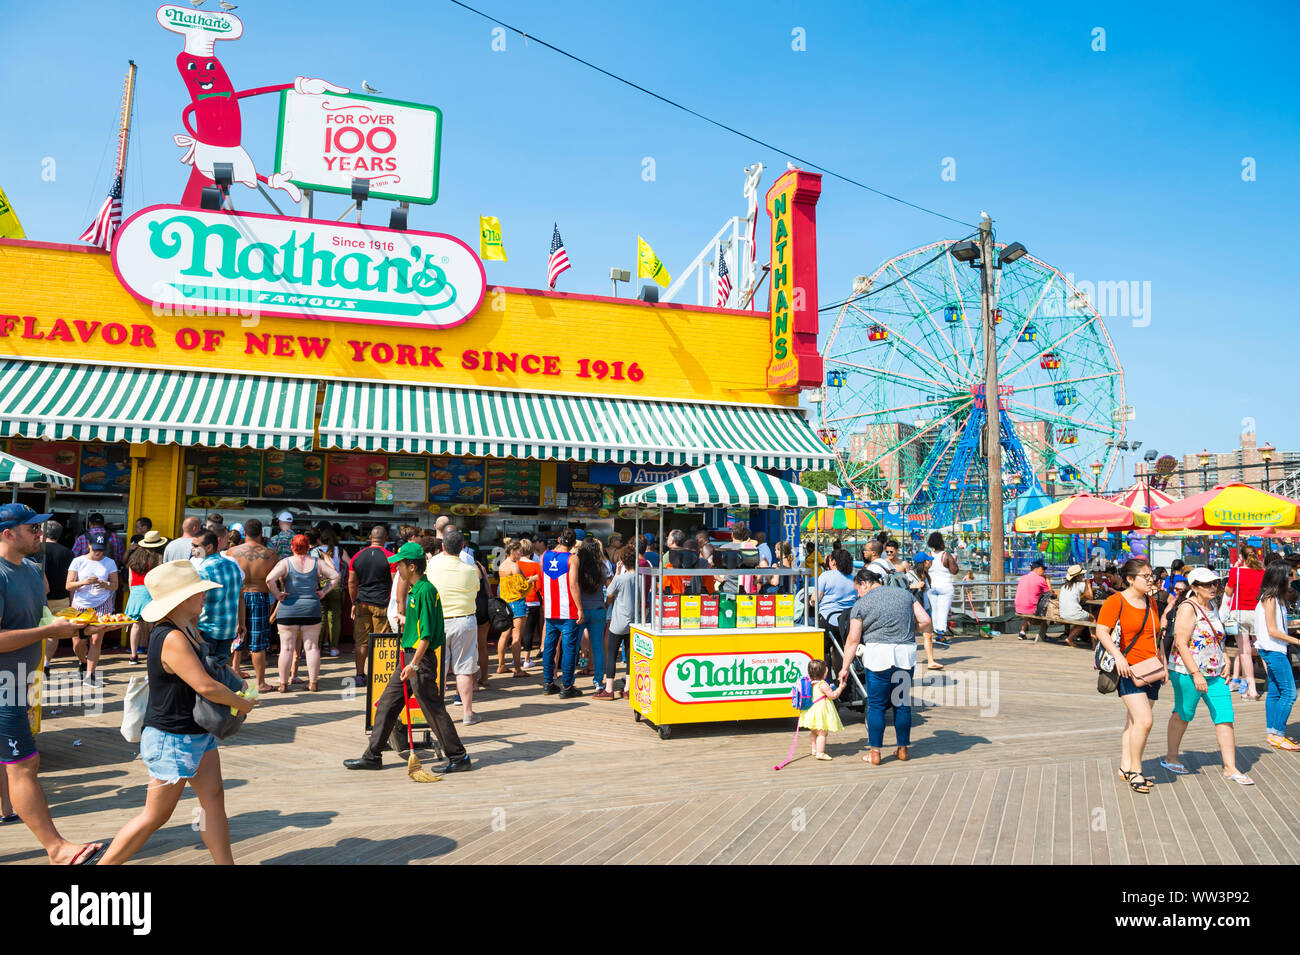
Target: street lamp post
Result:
[[980, 255], [1203, 459], [1266, 455], [1096, 476], [1052, 474]]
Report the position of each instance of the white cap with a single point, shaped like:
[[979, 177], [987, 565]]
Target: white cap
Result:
[[285, 516], [1203, 575], [201, 28]]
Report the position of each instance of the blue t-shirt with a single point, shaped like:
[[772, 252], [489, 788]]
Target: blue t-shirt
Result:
[[651, 556], [837, 594], [1173, 579], [22, 600]]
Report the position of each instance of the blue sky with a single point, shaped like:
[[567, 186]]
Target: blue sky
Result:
[[1117, 165]]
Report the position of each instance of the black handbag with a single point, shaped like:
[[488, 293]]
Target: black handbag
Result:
[[216, 718], [500, 619]]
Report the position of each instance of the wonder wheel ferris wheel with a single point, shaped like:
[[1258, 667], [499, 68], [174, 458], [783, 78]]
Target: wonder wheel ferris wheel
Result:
[[903, 408]]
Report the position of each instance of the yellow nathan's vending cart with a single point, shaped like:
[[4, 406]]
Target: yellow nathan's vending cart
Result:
[[731, 655]]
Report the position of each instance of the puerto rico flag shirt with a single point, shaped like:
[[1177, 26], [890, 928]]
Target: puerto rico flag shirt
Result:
[[557, 602]]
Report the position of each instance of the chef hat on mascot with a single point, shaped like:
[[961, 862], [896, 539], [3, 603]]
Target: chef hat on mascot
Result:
[[201, 28]]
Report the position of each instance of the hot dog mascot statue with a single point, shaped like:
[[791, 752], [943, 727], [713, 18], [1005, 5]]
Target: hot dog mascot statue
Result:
[[212, 118]]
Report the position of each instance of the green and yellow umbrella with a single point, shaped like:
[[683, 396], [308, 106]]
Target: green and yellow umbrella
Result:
[[841, 519]]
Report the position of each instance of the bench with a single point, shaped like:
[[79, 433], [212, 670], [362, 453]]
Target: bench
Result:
[[1045, 619]]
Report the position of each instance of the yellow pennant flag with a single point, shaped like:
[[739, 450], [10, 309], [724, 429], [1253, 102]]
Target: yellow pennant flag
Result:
[[648, 264], [10, 227], [490, 245]]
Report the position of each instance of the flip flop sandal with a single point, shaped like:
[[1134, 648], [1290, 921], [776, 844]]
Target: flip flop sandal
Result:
[[934, 666], [1178, 769], [1241, 779], [87, 858], [1139, 787], [12, 817]]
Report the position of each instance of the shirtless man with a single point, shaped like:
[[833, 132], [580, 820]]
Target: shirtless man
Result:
[[256, 560]]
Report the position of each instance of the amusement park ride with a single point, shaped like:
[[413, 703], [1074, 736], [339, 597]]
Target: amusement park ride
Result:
[[903, 401]]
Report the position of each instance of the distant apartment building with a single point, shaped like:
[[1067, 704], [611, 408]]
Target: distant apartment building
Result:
[[1244, 464]]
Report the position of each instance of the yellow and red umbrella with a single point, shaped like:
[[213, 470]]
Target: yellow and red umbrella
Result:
[[841, 519], [1228, 507], [1081, 514]]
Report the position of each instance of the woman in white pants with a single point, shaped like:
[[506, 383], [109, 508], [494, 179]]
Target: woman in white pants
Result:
[[942, 568]]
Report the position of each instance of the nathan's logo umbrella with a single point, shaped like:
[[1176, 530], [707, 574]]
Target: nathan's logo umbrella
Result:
[[1228, 507], [841, 519], [1081, 513]]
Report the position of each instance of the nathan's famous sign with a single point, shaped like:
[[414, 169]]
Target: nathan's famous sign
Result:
[[297, 268]]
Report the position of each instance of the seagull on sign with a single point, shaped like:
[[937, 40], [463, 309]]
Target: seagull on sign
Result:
[[368, 88], [227, 6], [197, 3]]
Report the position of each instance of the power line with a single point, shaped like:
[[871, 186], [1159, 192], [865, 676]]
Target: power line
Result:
[[731, 129], [876, 290]]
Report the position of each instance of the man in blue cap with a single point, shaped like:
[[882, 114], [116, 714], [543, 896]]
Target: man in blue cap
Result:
[[22, 604]]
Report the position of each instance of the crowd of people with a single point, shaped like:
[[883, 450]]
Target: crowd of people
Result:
[[218, 596]]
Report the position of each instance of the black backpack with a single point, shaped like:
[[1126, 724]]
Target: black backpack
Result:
[[500, 619]]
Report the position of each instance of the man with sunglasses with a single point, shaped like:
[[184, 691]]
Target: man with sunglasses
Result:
[[22, 604]]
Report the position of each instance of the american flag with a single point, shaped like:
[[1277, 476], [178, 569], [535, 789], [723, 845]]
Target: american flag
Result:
[[724, 281], [107, 220], [559, 260]]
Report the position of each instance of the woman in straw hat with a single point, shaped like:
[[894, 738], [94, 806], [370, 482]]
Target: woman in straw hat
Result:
[[1076, 589], [175, 749], [144, 555]]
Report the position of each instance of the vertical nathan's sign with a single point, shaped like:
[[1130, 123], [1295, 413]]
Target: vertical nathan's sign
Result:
[[329, 140], [792, 204]]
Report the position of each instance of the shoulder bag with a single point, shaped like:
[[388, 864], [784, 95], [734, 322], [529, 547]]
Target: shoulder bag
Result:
[[1107, 673], [216, 718]]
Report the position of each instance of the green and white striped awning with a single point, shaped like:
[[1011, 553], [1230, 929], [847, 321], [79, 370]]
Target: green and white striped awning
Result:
[[521, 424], [17, 471], [162, 406], [726, 484]]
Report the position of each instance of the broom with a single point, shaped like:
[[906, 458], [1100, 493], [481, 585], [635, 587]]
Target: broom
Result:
[[412, 762]]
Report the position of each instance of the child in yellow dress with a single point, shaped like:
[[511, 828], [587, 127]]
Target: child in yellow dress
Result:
[[821, 718]]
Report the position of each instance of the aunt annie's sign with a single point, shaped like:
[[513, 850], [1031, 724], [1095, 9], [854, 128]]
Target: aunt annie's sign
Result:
[[297, 268]]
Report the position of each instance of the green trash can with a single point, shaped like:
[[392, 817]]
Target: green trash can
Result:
[[726, 612]]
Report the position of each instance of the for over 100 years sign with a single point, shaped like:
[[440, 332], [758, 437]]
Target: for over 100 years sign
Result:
[[327, 141]]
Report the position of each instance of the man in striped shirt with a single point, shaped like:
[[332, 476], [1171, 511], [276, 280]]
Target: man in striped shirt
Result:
[[562, 608]]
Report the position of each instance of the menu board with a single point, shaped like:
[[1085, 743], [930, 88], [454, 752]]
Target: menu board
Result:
[[456, 480], [409, 478], [352, 477], [225, 473], [61, 456], [587, 499], [293, 476], [514, 482], [105, 468]]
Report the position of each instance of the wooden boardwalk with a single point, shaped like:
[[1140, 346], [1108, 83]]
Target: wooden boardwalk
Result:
[[1033, 781]]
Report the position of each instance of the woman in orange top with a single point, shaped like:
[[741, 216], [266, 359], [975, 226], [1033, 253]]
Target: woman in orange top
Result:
[[1131, 614]]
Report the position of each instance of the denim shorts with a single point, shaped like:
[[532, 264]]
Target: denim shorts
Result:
[[1127, 686], [171, 757], [518, 608]]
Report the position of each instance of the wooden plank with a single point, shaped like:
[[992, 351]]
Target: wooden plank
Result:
[[576, 781]]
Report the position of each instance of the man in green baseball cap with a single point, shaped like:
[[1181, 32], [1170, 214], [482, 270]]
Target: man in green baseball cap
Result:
[[423, 631]]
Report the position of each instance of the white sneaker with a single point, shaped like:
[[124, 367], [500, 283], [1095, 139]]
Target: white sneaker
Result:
[[471, 720], [334, 651]]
